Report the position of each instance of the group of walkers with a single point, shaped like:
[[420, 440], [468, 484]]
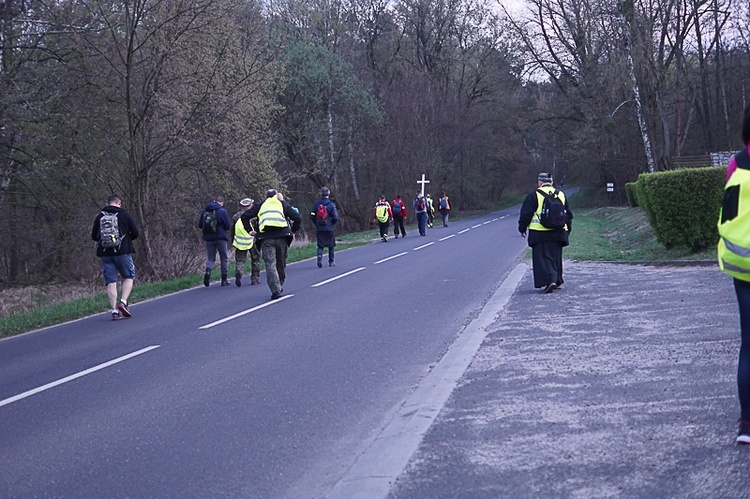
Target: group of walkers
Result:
[[424, 208], [260, 228]]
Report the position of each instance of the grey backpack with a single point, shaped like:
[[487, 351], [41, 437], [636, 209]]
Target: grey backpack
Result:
[[109, 231]]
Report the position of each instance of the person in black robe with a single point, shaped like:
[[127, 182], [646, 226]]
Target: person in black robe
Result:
[[546, 244]]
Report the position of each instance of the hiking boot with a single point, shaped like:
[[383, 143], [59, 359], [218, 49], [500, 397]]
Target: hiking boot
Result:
[[743, 435], [276, 295], [123, 308], [116, 315], [396, 236], [238, 279], [224, 280], [320, 261], [331, 264], [550, 287], [383, 238], [207, 278]]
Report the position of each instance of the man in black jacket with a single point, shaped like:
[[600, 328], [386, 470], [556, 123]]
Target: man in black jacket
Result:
[[546, 243], [114, 235], [274, 235]]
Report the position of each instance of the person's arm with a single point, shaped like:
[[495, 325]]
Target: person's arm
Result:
[[249, 215], [133, 230], [95, 235], [334, 213], [528, 208], [292, 215]]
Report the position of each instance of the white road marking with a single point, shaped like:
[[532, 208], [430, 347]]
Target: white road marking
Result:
[[378, 467], [245, 312], [338, 277], [423, 246], [462, 231], [75, 376], [391, 257], [476, 226], [487, 222], [447, 237]]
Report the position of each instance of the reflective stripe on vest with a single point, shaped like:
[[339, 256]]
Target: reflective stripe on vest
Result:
[[242, 238], [536, 223], [271, 214], [734, 242]]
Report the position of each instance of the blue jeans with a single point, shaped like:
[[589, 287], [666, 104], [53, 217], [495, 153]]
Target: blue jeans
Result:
[[211, 248], [111, 265], [742, 289], [422, 222]]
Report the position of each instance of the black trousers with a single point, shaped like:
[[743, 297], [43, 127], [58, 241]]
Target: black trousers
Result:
[[547, 259]]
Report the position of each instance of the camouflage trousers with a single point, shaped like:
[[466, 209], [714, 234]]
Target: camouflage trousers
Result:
[[274, 253], [240, 257]]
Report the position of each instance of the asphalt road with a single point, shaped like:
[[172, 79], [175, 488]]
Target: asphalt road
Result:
[[220, 392]]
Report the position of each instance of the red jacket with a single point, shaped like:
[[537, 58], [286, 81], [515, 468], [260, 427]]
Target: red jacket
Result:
[[401, 214]]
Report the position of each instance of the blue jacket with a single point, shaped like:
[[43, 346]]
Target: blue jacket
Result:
[[223, 226], [333, 215]]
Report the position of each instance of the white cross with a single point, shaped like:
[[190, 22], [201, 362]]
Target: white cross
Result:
[[423, 181]]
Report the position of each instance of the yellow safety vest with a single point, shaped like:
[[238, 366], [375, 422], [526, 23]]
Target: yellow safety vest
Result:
[[242, 238], [536, 220], [734, 233], [271, 214]]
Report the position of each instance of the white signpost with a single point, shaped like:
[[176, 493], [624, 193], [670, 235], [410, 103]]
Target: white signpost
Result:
[[423, 182], [610, 187]]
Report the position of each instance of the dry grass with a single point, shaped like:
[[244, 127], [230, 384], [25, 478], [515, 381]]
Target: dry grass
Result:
[[22, 299]]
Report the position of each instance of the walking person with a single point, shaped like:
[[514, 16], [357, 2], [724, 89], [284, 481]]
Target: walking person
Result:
[[215, 224], [430, 211], [325, 216], [398, 209], [546, 238], [114, 229], [275, 234], [383, 214], [420, 208], [243, 242], [444, 207], [734, 259]]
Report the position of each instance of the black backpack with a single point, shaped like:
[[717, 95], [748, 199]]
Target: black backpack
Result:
[[210, 222], [553, 214]]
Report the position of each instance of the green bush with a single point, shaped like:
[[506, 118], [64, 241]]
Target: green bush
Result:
[[683, 205], [630, 194]]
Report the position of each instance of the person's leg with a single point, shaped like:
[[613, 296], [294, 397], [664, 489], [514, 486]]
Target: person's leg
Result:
[[210, 261], [240, 257], [543, 258], [221, 246], [320, 255], [268, 249], [742, 290], [282, 249], [330, 255], [112, 295], [559, 282], [255, 264], [210, 255], [109, 273]]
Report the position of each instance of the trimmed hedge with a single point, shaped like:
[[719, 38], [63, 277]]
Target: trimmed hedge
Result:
[[683, 205]]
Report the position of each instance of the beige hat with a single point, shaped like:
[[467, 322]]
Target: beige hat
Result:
[[246, 202]]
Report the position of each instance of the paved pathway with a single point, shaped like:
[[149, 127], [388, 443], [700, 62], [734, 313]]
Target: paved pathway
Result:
[[620, 384]]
